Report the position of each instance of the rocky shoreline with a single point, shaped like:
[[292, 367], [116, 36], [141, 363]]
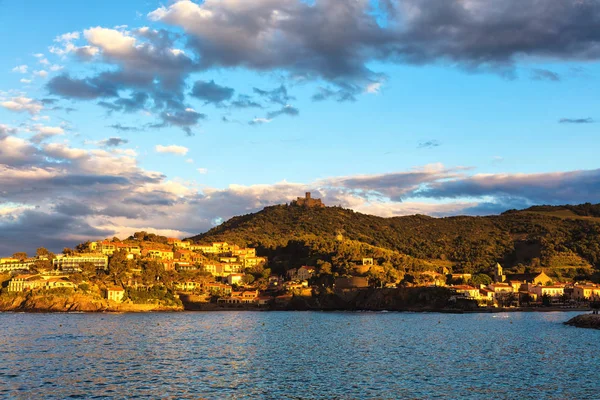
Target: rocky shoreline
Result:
[[590, 321], [76, 303]]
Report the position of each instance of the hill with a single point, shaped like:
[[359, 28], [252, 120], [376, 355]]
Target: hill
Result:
[[565, 238]]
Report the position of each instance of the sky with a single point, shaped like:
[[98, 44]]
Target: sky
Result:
[[173, 116]]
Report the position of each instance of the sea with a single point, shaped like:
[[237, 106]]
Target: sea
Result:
[[297, 355]]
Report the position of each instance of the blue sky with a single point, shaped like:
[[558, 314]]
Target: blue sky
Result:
[[476, 120]]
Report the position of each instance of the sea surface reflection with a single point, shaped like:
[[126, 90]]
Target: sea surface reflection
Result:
[[278, 355]]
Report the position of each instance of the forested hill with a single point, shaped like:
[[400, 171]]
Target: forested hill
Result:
[[541, 236]]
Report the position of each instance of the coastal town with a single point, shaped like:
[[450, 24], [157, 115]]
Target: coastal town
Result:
[[148, 268]]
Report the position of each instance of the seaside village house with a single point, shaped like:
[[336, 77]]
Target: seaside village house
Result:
[[304, 273], [586, 292], [115, 294]]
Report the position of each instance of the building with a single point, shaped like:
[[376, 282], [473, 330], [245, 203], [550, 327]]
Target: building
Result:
[[219, 289], [304, 273], [187, 255], [250, 261], [59, 283], [204, 248], [555, 293], [248, 252], [73, 263], [501, 288], [308, 201], [188, 286], [235, 279], [467, 291], [107, 248], [158, 254], [498, 273], [21, 283], [14, 264], [537, 278], [586, 292], [115, 294]]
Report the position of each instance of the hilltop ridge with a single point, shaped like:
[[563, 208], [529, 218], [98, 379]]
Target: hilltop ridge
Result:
[[542, 237]]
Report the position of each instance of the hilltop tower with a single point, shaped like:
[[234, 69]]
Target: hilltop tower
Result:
[[308, 201]]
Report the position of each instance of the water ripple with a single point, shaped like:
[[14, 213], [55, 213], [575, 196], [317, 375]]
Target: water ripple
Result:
[[294, 355]]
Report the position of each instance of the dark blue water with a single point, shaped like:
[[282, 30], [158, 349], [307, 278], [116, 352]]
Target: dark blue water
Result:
[[280, 355]]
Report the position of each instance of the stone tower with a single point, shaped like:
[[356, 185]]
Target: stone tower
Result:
[[498, 273]]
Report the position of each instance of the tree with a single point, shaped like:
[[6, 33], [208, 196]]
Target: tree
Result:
[[42, 252], [41, 266], [118, 265], [67, 251], [83, 247], [20, 256], [324, 267], [247, 279], [88, 269], [152, 271], [481, 279], [546, 300]]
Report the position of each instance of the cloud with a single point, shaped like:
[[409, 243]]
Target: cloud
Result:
[[41, 74], [278, 95], [544, 75], [22, 69], [113, 142], [23, 104], [576, 121], [429, 144], [292, 35], [137, 102], [543, 188], [23, 80], [65, 37], [203, 171], [373, 88], [144, 63], [286, 110], [82, 89], [210, 92], [124, 128], [245, 101], [172, 149], [339, 95], [45, 132], [185, 119], [259, 121]]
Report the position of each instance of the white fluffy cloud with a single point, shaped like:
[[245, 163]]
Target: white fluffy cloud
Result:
[[111, 41], [172, 149], [23, 104]]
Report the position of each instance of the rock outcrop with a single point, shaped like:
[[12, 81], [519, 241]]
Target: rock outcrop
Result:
[[585, 321]]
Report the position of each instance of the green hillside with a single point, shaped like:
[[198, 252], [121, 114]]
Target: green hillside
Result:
[[291, 235]]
